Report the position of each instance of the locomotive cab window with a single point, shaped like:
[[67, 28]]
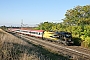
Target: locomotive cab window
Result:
[[68, 35]]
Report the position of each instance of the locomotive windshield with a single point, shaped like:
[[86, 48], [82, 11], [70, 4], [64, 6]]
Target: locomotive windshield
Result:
[[68, 36]]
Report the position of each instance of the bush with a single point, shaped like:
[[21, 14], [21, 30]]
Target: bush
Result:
[[82, 37], [86, 42], [3, 27]]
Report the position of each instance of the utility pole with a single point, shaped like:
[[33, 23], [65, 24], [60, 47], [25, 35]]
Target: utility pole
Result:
[[21, 27], [21, 23]]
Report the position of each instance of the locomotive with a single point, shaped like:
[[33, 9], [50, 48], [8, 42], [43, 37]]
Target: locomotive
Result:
[[60, 37], [65, 37]]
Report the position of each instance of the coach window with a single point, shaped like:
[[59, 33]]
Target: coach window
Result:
[[39, 33], [18, 30], [36, 32], [33, 32]]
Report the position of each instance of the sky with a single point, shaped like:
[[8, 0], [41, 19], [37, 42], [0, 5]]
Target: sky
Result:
[[34, 12]]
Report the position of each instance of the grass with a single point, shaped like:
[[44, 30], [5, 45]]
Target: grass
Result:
[[13, 48]]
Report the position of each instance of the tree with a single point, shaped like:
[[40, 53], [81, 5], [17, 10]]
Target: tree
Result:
[[45, 26], [3, 27], [79, 15]]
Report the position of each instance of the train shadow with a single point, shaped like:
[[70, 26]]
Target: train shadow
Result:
[[77, 41]]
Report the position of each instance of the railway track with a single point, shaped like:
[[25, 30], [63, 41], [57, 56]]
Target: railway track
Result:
[[72, 52], [79, 48]]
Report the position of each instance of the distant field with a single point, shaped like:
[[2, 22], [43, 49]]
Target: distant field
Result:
[[13, 48]]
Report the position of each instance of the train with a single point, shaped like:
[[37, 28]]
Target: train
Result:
[[60, 37]]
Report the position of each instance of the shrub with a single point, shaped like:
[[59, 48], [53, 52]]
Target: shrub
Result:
[[86, 42]]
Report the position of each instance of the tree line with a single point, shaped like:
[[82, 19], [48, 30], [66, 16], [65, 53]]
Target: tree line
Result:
[[76, 21]]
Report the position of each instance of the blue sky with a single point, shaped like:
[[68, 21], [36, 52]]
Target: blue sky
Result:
[[33, 12]]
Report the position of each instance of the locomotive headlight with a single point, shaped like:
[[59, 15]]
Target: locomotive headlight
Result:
[[72, 42]]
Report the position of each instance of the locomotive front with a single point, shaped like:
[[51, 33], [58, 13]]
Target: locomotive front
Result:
[[65, 38], [68, 38]]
